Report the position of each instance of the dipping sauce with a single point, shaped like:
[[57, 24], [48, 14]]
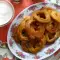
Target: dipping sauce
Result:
[[6, 12]]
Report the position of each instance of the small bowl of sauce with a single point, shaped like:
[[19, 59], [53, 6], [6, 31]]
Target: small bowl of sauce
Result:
[[6, 12]]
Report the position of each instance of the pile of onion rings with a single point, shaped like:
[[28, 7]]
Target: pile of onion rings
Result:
[[35, 31]]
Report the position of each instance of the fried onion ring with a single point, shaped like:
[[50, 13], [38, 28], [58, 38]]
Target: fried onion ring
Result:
[[15, 35], [35, 30], [52, 27], [41, 16], [52, 37], [38, 46], [56, 16], [24, 45], [33, 47], [21, 29]]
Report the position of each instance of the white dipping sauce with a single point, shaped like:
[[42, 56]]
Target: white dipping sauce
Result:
[[6, 12]]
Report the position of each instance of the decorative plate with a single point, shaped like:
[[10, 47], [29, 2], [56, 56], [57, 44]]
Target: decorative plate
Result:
[[16, 48]]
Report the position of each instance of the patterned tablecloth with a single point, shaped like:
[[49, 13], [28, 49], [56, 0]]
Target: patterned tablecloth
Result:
[[5, 53]]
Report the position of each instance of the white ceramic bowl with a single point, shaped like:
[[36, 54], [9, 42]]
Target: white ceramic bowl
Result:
[[7, 17]]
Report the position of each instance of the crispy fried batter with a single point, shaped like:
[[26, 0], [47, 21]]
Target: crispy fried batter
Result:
[[41, 16], [35, 31]]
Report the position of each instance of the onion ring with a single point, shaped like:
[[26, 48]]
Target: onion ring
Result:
[[38, 46], [56, 16], [15, 35], [28, 46], [41, 16], [24, 46], [32, 32], [51, 38], [21, 29], [52, 27]]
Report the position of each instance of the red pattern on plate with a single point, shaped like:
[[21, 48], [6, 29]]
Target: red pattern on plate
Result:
[[32, 7], [36, 57], [21, 15], [49, 51], [21, 54], [10, 42], [56, 52]]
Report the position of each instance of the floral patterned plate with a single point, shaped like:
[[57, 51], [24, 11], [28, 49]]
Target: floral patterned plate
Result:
[[16, 48]]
